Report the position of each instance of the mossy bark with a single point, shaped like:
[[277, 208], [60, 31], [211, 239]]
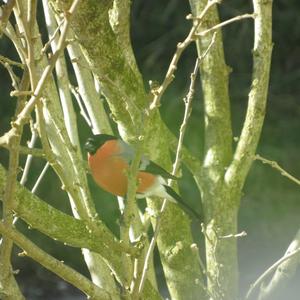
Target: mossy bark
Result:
[[70, 231], [110, 56], [223, 173], [220, 206]]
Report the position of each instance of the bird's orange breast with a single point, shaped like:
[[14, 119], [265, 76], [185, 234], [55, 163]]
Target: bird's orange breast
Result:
[[109, 170]]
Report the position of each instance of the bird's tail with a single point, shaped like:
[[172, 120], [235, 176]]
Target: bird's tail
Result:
[[181, 203]]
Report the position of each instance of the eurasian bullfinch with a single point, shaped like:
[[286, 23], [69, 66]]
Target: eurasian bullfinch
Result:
[[109, 159]]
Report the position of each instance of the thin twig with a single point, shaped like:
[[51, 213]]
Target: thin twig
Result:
[[81, 107], [37, 183], [4, 60], [262, 277], [54, 265], [52, 37], [13, 137], [25, 27], [32, 151], [176, 165], [29, 158], [20, 93], [222, 24], [283, 273], [230, 236], [26, 168], [130, 216], [158, 92], [13, 141], [90, 93], [5, 14], [31, 17], [62, 79], [14, 78], [14, 37], [50, 156], [276, 166], [22, 117]]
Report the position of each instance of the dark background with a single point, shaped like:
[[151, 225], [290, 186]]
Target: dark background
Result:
[[270, 207]]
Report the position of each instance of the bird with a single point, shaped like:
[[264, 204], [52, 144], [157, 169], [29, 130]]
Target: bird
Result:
[[109, 159]]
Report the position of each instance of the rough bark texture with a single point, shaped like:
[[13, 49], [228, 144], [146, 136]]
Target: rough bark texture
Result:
[[68, 160], [257, 99], [123, 87], [223, 175], [220, 206], [68, 230]]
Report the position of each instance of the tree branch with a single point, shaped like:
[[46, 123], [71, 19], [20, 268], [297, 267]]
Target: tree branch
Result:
[[23, 116], [222, 24], [86, 88], [289, 260], [49, 262], [5, 14], [65, 228], [246, 147], [125, 93], [284, 271], [9, 196], [188, 109], [192, 35], [71, 231], [276, 166]]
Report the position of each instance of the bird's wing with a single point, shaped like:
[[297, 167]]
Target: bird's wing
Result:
[[153, 168], [146, 164], [126, 151]]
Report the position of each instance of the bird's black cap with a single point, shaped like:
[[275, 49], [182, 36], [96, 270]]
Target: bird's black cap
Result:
[[93, 143]]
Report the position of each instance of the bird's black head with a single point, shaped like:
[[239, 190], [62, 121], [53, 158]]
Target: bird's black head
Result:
[[93, 143]]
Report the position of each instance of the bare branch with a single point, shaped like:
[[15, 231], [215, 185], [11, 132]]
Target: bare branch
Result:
[[9, 200], [87, 90], [14, 78], [29, 158], [13, 137], [229, 236], [54, 265], [158, 92], [38, 181], [284, 272], [5, 14], [63, 227], [22, 117], [4, 60], [246, 147], [130, 216], [14, 37], [77, 96], [276, 166], [269, 271], [53, 36], [222, 24], [62, 78], [176, 165]]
